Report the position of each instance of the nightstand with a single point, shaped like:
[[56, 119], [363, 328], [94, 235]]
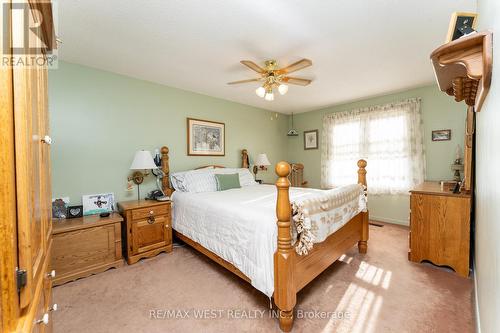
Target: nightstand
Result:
[[148, 228]]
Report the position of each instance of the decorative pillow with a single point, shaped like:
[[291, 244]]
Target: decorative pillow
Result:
[[245, 176], [177, 181], [227, 181], [201, 180]]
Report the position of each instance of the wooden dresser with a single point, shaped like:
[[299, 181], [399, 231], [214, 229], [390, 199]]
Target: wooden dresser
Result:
[[148, 228], [25, 176], [440, 227], [86, 245]]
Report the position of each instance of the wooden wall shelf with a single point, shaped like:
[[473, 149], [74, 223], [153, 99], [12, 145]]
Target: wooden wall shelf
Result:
[[463, 68]]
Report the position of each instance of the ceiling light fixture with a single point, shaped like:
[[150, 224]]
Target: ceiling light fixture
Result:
[[261, 92], [283, 89], [272, 77], [292, 131], [269, 95]]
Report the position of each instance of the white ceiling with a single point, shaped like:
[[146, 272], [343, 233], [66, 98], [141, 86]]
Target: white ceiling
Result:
[[359, 48]]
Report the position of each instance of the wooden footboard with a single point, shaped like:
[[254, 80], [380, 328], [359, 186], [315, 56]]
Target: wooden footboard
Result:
[[327, 252], [292, 272]]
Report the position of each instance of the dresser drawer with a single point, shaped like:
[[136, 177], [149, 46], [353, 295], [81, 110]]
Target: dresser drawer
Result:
[[141, 213]]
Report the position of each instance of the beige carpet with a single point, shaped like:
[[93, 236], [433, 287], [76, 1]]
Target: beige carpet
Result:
[[378, 292]]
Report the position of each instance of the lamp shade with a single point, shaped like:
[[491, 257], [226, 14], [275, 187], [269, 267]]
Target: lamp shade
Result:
[[143, 161], [262, 160]]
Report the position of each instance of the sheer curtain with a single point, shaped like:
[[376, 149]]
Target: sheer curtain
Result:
[[388, 136]]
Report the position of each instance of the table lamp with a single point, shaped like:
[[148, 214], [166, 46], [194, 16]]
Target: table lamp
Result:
[[261, 163], [142, 162]]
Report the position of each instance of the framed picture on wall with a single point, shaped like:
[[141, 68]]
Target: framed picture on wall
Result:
[[311, 139], [441, 135], [205, 138]]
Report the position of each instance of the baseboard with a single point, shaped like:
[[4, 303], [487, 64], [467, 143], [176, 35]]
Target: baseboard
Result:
[[476, 303], [388, 220]]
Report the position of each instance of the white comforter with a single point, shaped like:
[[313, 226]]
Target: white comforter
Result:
[[239, 225]]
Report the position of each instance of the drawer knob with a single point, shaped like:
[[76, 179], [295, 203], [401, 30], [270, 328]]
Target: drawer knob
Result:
[[47, 139], [52, 274], [54, 307], [44, 320], [151, 212], [166, 226]]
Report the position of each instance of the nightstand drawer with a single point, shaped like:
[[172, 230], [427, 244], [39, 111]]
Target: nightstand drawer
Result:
[[150, 234], [138, 214]]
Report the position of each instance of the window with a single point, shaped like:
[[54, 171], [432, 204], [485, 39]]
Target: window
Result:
[[388, 136]]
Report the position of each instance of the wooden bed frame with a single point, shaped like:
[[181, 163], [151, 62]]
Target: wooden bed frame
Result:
[[291, 271]]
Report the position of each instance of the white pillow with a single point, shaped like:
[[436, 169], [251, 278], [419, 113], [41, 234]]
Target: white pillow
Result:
[[225, 171], [177, 181], [185, 181], [202, 180], [246, 177]]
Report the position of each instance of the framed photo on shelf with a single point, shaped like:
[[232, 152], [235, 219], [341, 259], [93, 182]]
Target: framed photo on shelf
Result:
[[98, 203], [205, 138], [311, 139], [441, 135]]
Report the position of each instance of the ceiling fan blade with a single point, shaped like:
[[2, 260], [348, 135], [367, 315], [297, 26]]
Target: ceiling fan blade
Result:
[[296, 66], [244, 81], [253, 66], [296, 80]]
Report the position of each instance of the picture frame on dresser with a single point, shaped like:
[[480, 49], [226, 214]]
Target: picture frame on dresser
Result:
[[74, 212], [98, 203]]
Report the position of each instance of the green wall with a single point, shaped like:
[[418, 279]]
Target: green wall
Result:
[[100, 119], [439, 111]]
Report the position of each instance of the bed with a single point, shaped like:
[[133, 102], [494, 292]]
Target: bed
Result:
[[251, 230]]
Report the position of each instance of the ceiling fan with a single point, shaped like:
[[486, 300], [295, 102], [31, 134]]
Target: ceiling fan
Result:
[[272, 77]]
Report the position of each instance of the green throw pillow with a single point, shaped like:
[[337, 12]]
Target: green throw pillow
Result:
[[226, 182]]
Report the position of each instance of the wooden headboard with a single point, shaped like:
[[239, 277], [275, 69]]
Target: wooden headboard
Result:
[[165, 167], [215, 166]]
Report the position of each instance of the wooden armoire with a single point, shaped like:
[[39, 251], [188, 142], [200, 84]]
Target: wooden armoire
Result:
[[25, 181]]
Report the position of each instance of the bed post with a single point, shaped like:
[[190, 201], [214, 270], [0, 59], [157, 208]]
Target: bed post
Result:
[[363, 243], [245, 163], [284, 258], [165, 167]]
